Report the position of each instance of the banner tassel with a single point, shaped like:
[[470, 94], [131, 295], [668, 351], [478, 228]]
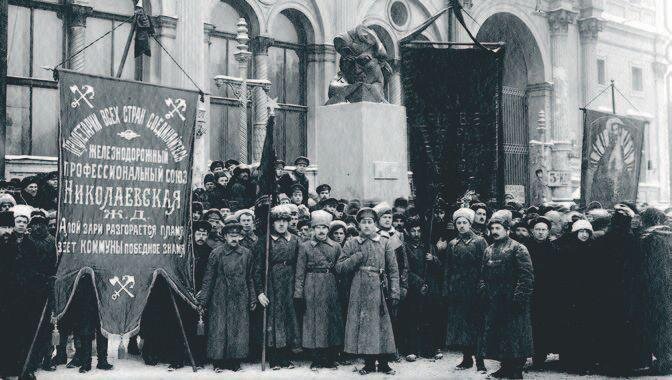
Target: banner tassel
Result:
[[200, 328], [121, 351], [55, 335]]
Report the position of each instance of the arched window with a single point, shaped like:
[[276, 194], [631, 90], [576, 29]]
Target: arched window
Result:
[[287, 73], [36, 37], [224, 114]]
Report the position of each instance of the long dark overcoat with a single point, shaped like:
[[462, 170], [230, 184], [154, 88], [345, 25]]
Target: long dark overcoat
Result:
[[546, 321], [368, 329], [656, 244], [462, 265], [282, 327], [507, 282], [228, 292], [316, 283]]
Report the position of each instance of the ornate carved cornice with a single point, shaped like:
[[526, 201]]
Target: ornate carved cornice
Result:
[[165, 25], [559, 20], [78, 13], [590, 27]]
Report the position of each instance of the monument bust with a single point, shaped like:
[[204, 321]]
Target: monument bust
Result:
[[363, 68]]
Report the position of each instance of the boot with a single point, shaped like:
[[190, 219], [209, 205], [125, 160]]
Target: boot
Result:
[[369, 366], [502, 373], [480, 365], [103, 364], [86, 367], [385, 368], [235, 365], [467, 362]]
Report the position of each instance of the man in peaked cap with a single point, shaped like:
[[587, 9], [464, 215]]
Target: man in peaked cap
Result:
[[323, 192], [246, 219], [315, 292], [507, 331]]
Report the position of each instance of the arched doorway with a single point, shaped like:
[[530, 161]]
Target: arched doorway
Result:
[[523, 69]]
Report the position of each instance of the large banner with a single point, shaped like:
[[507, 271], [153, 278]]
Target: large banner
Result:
[[124, 199], [611, 158], [452, 99]]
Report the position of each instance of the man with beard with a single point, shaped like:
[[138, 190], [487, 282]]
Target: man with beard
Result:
[[656, 243], [282, 329], [399, 223], [480, 218], [420, 315], [620, 334], [315, 293], [545, 310], [376, 277], [8, 251], [506, 285], [462, 265], [241, 190], [31, 285]]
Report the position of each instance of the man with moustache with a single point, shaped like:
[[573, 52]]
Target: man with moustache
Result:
[[462, 264], [315, 293], [368, 330], [480, 217], [506, 284]]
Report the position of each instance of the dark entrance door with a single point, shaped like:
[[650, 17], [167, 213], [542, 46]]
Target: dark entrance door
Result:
[[516, 140]]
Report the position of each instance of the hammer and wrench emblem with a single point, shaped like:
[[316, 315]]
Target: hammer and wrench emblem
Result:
[[126, 283], [178, 106], [85, 94]]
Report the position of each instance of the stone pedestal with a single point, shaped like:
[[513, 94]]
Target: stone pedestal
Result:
[[362, 150]]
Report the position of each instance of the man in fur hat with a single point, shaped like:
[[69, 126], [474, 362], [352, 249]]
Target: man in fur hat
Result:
[[506, 285], [315, 293], [6, 202], [276, 291], [376, 277]]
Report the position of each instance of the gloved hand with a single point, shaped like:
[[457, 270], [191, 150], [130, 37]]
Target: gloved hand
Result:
[[300, 304], [263, 300]]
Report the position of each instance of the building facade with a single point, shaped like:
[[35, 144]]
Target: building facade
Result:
[[559, 55]]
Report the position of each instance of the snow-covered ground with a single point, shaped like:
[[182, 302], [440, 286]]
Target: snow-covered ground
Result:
[[134, 368]]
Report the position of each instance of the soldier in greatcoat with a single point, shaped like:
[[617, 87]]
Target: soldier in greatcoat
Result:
[[228, 294], [368, 330], [282, 328], [462, 265], [315, 293], [506, 285]]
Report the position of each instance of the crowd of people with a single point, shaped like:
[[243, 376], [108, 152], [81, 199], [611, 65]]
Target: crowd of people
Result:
[[349, 279]]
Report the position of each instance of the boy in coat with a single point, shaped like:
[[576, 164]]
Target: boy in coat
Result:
[[315, 293], [368, 330]]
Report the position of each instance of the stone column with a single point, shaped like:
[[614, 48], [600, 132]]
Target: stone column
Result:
[[78, 11], [589, 28], [395, 83], [260, 47], [243, 57], [559, 21]]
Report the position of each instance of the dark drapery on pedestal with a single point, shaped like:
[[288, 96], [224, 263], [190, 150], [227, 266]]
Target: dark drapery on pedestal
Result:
[[452, 98]]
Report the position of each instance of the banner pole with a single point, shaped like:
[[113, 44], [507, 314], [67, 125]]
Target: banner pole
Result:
[[267, 251], [613, 98], [584, 159], [184, 334], [32, 344]]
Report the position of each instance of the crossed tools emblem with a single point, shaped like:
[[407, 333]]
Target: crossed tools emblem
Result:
[[128, 283], [86, 96], [178, 106]]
